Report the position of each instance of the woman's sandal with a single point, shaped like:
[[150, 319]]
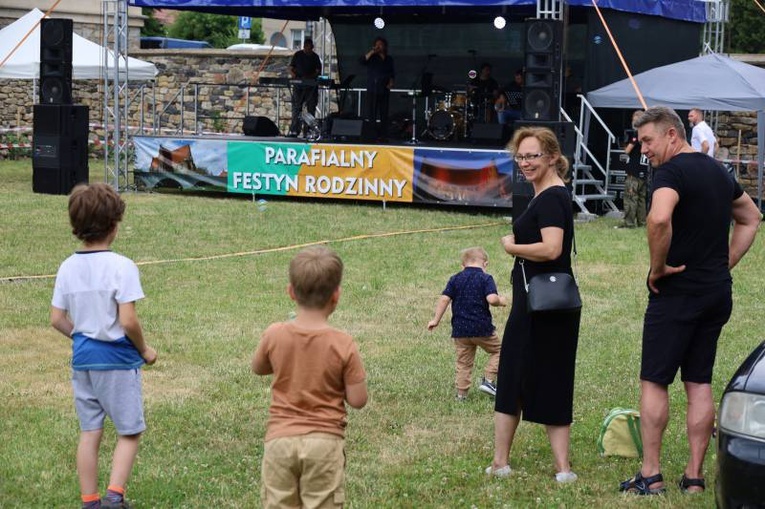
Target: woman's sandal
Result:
[[639, 485], [688, 482]]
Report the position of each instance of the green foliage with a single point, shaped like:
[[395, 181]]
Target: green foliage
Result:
[[746, 28], [151, 26], [256, 32], [218, 30], [413, 446]]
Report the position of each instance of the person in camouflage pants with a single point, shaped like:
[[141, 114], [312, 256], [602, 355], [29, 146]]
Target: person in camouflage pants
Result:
[[635, 182]]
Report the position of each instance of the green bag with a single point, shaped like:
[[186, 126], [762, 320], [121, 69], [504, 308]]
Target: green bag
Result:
[[620, 434]]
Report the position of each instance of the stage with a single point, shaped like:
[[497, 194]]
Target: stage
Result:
[[425, 173]]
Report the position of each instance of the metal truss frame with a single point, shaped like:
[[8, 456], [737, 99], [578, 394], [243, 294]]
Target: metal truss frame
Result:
[[116, 93]]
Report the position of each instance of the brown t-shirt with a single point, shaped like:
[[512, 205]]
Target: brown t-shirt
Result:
[[311, 368]]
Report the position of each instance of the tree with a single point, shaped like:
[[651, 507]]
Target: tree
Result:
[[746, 27], [151, 27], [220, 31]]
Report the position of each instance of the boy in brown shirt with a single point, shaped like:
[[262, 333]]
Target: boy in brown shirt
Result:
[[316, 369]]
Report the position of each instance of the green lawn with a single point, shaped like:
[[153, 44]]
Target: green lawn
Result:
[[214, 270]]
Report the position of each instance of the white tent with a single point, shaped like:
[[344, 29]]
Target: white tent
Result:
[[87, 56]]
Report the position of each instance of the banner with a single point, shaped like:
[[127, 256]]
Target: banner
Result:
[[325, 170]]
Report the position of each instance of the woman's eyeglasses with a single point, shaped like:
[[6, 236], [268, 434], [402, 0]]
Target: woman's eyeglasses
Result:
[[528, 157]]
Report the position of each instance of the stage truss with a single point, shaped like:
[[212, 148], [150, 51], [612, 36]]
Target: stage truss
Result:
[[116, 93]]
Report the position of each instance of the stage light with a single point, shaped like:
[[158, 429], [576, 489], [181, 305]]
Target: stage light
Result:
[[499, 22], [379, 23]]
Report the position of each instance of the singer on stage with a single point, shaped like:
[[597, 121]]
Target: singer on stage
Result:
[[380, 75], [305, 65]]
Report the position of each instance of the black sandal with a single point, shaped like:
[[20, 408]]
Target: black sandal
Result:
[[688, 482], [639, 485]]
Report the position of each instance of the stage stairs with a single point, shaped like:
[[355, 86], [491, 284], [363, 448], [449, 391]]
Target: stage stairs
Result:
[[590, 178]]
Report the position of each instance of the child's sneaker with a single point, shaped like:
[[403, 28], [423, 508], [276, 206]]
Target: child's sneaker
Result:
[[461, 398], [488, 387], [106, 504], [499, 472]]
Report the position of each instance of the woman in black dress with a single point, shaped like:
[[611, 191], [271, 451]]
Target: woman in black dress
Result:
[[536, 370]]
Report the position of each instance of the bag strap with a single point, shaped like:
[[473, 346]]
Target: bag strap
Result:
[[632, 424], [573, 242]]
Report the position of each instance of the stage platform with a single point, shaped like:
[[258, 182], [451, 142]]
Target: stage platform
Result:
[[429, 172]]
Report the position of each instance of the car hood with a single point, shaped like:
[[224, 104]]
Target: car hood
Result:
[[750, 376]]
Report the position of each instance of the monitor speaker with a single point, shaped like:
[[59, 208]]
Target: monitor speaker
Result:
[[56, 61], [59, 147], [259, 126], [496, 135], [352, 130], [543, 51]]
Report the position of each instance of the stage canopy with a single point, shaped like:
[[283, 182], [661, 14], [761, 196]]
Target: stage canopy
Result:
[[685, 10], [87, 56]]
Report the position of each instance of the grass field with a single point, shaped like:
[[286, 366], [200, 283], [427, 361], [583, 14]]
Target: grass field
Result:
[[214, 270]]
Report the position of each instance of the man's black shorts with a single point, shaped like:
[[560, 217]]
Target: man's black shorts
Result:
[[681, 331]]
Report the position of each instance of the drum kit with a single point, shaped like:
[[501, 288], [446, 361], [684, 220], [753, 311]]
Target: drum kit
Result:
[[453, 115]]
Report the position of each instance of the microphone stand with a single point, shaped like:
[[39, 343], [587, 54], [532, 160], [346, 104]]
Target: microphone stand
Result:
[[423, 93]]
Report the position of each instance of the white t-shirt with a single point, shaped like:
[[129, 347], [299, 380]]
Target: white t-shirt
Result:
[[90, 285], [701, 132]]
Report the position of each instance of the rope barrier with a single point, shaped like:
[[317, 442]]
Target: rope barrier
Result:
[[13, 279]]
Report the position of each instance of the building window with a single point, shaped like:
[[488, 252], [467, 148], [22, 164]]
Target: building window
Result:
[[297, 38], [278, 39]]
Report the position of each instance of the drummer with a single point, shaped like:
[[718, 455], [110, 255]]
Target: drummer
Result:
[[484, 92]]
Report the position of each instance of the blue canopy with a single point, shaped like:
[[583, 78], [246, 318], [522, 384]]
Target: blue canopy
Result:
[[685, 10]]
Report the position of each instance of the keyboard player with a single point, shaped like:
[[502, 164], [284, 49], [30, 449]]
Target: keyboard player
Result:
[[305, 65]]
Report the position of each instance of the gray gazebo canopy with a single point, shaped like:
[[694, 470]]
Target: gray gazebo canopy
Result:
[[709, 82]]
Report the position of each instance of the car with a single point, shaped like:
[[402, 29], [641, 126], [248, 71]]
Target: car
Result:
[[741, 437], [256, 47]]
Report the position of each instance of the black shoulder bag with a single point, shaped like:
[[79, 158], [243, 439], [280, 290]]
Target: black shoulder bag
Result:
[[552, 291]]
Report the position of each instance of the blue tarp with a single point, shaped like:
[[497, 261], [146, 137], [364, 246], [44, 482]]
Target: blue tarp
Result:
[[685, 10]]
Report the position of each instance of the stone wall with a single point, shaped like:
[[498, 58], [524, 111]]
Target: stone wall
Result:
[[218, 79]]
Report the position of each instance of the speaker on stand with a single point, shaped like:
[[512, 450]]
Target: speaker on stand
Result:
[[60, 128], [543, 64], [59, 147], [56, 61]]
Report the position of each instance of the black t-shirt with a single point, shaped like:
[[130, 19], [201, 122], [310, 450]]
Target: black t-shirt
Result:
[[379, 72], [484, 89], [700, 222], [306, 65], [633, 167], [551, 207]]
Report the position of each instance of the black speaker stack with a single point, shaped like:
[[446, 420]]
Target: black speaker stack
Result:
[[60, 128], [543, 63]]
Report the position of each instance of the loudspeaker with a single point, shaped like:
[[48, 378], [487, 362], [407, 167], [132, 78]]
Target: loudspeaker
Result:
[[259, 126], [353, 130], [523, 193], [59, 147], [491, 134], [55, 61], [543, 64], [564, 131]]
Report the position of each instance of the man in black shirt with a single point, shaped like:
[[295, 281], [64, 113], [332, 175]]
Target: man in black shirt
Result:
[[484, 91], [380, 76], [635, 181], [306, 65], [690, 288]]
